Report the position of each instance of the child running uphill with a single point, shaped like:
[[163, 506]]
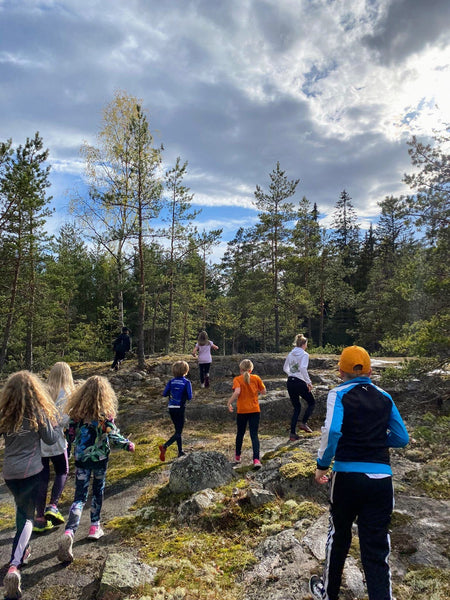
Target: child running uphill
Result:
[[179, 390], [92, 410], [299, 384], [203, 349], [246, 389], [60, 385], [26, 416]]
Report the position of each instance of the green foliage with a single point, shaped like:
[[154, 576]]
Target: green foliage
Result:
[[421, 338]]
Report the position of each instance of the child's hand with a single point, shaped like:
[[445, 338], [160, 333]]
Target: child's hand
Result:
[[230, 407], [131, 447]]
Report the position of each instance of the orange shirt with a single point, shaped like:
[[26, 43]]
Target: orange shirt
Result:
[[247, 401]]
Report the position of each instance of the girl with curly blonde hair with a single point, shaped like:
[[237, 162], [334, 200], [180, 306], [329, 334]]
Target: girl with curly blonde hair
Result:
[[60, 385], [26, 416], [92, 409]]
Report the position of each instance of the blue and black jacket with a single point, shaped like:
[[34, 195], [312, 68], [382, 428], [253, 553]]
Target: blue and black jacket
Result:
[[179, 390], [362, 423]]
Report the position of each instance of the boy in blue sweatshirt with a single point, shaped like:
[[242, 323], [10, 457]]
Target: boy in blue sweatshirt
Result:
[[179, 390], [362, 423]]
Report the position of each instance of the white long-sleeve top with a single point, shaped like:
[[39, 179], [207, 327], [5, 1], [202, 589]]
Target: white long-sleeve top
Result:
[[296, 364]]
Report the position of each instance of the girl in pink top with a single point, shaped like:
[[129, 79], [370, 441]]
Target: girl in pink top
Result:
[[202, 349]]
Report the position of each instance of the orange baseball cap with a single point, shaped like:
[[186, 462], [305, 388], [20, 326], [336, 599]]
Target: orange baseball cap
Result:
[[354, 359]]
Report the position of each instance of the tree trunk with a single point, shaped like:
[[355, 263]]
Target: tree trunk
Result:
[[9, 318]]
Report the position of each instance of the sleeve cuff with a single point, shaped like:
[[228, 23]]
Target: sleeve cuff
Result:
[[322, 467]]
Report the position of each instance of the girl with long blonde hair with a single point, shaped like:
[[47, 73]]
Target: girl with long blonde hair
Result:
[[60, 385], [92, 409], [26, 416], [299, 385], [246, 389]]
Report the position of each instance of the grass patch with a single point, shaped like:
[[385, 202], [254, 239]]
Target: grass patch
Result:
[[7, 515], [427, 583]]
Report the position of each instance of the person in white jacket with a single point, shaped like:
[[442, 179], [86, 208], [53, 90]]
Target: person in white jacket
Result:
[[299, 384]]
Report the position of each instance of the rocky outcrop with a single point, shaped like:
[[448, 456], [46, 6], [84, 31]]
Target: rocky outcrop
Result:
[[199, 471], [122, 574]]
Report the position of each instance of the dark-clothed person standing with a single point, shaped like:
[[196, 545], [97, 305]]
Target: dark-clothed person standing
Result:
[[121, 345]]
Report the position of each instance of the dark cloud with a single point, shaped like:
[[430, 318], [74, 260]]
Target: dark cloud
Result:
[[232, 87], [409, 26]]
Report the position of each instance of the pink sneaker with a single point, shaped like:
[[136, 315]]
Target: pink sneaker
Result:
[[65, 552], [95, 532], [237, 459], [256, 463], [12, 583]]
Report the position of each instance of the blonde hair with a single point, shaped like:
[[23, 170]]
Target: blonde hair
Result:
[[60, 378], [24, 397], [180, 368], [93, 401], [203, 338], [300, 340], [246, 367]]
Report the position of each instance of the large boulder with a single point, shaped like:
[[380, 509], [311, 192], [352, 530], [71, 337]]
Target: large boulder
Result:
[[122, 574], [198, 471]]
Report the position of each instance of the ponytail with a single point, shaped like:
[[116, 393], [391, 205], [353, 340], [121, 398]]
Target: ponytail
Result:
[[300, 340], [246, 367]]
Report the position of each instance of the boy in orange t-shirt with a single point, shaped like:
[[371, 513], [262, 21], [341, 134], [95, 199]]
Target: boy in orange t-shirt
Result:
[[246, 389]]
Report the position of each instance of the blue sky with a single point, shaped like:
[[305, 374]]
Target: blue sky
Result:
[[332, 89]]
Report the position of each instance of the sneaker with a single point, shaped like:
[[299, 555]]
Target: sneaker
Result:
[[65, 552], [202, 385], [304, 427], [12, 583], [257, 463], [52, 513], [26, 556], [95, 532], [237, 459], [162, 453], [317, 588], [41, 526], [294, 437], [181, 454]]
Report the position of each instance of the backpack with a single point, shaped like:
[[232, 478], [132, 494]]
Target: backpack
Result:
[[91, 442]]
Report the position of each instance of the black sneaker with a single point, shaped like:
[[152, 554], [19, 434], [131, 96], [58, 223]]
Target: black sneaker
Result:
[[317, 588]]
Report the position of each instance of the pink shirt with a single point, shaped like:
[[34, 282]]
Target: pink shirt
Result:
[[204, 353]]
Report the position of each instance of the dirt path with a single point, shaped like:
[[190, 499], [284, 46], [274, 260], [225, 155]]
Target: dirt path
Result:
[[44, 576]]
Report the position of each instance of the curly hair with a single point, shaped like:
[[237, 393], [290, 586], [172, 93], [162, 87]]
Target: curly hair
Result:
[[24, 396], [93, 401], [60, 378]]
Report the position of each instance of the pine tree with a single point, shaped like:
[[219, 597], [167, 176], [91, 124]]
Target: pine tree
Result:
[[275, 215]]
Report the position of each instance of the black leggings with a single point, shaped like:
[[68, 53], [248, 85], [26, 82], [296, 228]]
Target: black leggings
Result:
[[204, 371], [24, 492], [253, 424], [297, 387], [177, 416]]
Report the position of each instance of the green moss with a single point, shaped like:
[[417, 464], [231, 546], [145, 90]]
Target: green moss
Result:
[[55, 592], [302, 465], [427, 583], [433, 478], [7, 515], [400, 519]]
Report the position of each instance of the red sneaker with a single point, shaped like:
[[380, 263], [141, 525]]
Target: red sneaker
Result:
[[162, 453]]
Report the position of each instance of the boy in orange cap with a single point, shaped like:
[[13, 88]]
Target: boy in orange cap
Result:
[[362, 422]]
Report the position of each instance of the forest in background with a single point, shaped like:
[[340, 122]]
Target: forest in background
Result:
[[65, 297]]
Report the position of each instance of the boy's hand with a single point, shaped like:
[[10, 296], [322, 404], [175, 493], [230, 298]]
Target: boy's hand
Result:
[[321, 476], [230, 407], [131, 447]]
